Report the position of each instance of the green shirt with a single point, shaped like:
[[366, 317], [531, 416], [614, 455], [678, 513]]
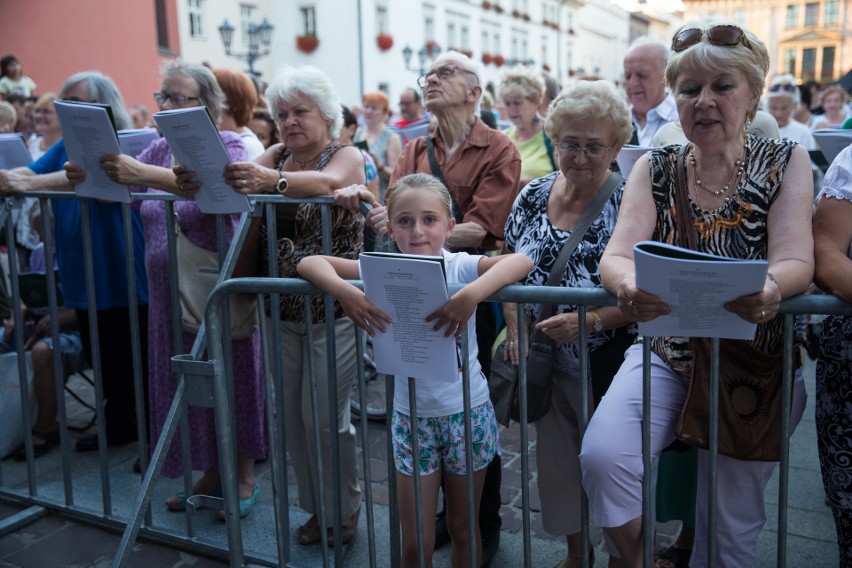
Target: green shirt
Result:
[[535, 162]]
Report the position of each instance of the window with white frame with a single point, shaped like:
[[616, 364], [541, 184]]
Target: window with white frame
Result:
[[544, 51], [513, 49], [831, 10], [495, 38], [792, 19], [309, 20], [429, 27], [524, 50], [246, 19], [196, 19], [382, 19], [451, 34], [790, 61], [811, 14], [465, 38]]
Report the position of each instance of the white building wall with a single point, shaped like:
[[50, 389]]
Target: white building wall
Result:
[[348, 51], [209, 48]]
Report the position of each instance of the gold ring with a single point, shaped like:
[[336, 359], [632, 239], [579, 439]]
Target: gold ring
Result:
[[762, 314], [243, 183]]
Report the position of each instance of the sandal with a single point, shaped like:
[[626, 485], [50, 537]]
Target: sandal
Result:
[[309, 533], [177, 502], [673, 557]]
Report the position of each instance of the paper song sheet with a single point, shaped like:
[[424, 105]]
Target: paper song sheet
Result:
[[89, 135], [13, 151], [628, 156], [409, 288], [195, 143], [696, 286], [132, 141]]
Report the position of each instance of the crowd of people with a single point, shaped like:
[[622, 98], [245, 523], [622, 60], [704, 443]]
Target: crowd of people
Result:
[[499, 207]]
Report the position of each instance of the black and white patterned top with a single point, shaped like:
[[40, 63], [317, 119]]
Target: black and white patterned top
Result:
[[737, 229], [530, 232]]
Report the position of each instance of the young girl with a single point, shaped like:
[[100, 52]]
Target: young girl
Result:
[[419, 221]]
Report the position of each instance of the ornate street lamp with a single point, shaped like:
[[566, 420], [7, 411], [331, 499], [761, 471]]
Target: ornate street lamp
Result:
[[426, 54], [260, 38]]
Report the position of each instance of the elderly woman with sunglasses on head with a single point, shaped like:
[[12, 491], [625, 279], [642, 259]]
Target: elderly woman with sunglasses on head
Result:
[[751, 198], [782, 99]]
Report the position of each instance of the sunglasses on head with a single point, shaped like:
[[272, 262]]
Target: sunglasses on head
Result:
[[723, 36], [787, 88]]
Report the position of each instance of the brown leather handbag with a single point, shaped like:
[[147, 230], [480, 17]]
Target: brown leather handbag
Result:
[[750, 381]]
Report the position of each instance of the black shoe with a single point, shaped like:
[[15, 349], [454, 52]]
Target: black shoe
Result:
[[442, 534], [137, 467], [51, 440], [490, 544]]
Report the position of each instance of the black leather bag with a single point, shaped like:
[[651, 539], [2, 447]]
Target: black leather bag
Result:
[[505, 388]]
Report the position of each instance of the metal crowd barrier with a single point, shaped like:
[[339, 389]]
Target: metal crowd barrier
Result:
[[208, 381]]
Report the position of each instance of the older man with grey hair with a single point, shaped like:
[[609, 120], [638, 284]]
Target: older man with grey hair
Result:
[[645, 85]]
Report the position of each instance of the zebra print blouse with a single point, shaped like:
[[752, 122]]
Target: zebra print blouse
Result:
[[737, 229]]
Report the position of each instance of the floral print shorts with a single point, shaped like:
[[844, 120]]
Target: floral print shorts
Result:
[[441, 441]]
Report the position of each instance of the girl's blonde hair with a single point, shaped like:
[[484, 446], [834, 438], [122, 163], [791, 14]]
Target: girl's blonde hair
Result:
[[424, 182]]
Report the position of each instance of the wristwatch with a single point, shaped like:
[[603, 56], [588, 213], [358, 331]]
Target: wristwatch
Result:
[[598, 325], [281, 185]]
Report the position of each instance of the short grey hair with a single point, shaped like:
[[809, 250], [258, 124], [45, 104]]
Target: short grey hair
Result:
[[464, 62], [210, 93], [752, 62], [524, 81], [662, 49], [590, 99], [103, 90], [309, 82]]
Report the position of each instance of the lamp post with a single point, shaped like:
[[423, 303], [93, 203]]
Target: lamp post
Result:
[[426, 54], [260, 38]]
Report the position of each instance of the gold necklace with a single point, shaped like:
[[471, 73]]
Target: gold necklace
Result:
[[738, 172], [302, 165]]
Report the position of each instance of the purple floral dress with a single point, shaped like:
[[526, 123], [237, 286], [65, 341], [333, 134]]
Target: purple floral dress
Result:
[[247, 365]]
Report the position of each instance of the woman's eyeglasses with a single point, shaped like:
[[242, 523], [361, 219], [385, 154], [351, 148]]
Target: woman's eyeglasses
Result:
[[178, 100], [592, 150], [788, 88], [723, 36]]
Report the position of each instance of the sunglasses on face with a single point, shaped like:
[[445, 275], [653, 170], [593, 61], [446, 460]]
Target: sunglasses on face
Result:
[[723, 36], [786, 88]]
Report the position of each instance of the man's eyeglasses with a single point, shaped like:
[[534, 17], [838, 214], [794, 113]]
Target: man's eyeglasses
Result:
[[442, 73], [788, 88], [592, 150], [178, 100], [723, 36], [77, 100]]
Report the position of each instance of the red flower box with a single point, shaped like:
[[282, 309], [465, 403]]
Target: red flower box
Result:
[[307, 43], [486, 5], [384, 41], [516, 13], [546, 68], [487, 58], [468, 52], [498, 8], [499, 60]]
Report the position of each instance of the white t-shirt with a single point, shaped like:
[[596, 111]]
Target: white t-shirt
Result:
[[441, 398], [837, 182], [254, 147], [798, 132]]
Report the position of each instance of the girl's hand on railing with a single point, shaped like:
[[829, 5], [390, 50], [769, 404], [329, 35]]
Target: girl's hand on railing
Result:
[[363, 312], [187, 184]]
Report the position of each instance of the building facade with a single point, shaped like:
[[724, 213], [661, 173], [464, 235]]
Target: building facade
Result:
[[810, 39]]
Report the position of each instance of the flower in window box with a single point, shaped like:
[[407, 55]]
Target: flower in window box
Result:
[[527, 17], [487, 58], [499, 9], [307, 43], [545, 68], [384, 41], [499, 60], [486, 5], [516, 13]]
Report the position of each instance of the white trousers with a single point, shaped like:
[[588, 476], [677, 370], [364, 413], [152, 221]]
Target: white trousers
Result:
[[611, 462]]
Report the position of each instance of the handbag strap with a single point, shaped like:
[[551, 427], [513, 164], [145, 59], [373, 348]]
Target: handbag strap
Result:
[[438, 173], [593, 209], [683, 213]]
